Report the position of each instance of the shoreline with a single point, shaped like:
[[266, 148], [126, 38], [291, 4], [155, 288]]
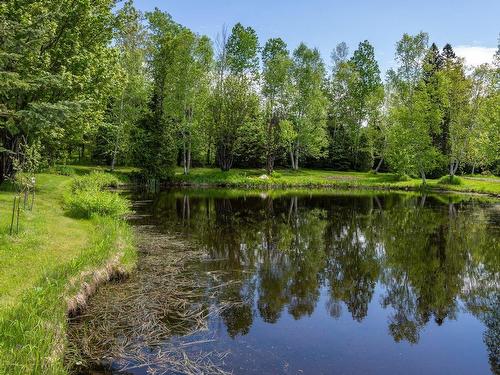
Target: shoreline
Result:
[[70, 259], [325, 187]]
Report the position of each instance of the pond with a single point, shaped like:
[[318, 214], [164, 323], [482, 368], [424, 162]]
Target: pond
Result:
[[302, 282]]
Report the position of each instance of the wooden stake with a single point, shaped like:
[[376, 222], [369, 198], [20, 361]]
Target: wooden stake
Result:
[[18, 209], [13, 214]]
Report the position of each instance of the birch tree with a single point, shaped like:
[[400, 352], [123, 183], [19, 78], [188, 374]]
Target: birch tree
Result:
[[308, 112], [276, 90]]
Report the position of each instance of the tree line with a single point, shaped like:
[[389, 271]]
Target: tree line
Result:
[[90, 80]]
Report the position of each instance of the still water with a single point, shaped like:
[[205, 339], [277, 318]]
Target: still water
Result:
[[307, 283]]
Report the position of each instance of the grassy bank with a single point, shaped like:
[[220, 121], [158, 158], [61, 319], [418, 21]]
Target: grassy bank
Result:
[[44, 265], [256, 178]]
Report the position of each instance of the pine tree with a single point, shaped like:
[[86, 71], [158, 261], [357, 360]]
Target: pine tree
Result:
[[448, 53]]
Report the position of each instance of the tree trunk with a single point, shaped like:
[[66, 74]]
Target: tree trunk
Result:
[[189, 158], [379, 165], [296, 167], [118, 134], [224, 158], [270, 164], [6, 166], [113, 161], [453, 168], [473, 168], [422, 200], [292, 158], [184, 159], [3, 163], [456, 167], [422, 174]]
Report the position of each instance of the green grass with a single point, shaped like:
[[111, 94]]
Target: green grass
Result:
[[37, 264], [284, 178]]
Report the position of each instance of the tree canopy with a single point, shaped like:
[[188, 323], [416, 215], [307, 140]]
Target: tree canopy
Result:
[[103, 83]]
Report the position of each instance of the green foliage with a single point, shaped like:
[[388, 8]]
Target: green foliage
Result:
[[413, 118], [403, 177], [277, 91], [234, 102], [119, 88], [308, 109], [355, 93], [54, 87], [242, 47], [128, 102]]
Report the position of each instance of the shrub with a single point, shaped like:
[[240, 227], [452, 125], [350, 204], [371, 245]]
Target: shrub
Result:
[[450, 180], [89, 203], [95, 181]]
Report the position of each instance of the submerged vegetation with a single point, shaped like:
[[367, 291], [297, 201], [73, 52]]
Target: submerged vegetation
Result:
[[167, 286]]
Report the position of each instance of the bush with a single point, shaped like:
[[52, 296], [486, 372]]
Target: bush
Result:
[[449, 180], [95, 181], [88, 203]]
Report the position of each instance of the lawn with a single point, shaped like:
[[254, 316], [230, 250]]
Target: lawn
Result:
[[41, 267], [256, 178]]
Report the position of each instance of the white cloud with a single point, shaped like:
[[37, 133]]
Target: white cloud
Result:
[[475, 55]]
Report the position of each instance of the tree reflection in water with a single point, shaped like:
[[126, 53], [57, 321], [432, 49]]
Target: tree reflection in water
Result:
[[430, 256]]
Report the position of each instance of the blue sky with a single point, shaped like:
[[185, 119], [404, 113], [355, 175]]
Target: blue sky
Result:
[[472, 27]]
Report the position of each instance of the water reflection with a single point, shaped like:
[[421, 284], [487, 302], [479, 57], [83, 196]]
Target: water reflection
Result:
[[426, 259], [428, 255]]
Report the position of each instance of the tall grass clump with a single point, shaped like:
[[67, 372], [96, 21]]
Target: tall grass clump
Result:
[[95, 181], [450, 180], [62, 170], [89, 197], [86, 203]]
